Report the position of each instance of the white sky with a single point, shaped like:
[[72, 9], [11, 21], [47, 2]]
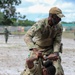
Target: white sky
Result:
[[33, 8]]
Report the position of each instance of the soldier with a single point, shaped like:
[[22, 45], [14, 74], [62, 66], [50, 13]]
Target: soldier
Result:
[[46, 34], [47, 67], [6, 33]]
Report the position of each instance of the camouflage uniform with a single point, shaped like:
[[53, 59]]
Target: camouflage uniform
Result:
[[33, 71], [41, 36]]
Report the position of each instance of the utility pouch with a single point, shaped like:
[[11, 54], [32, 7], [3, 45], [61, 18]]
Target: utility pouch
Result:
[[61, 47]]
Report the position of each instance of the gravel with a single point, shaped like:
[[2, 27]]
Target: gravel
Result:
[[14, 53]]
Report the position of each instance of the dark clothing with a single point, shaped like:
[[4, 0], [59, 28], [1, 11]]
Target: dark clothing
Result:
[[6, 33]]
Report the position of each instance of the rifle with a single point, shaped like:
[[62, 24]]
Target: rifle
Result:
[[40, 65]]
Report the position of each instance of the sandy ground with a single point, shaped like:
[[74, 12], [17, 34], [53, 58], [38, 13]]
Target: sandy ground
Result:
[[14, 53]]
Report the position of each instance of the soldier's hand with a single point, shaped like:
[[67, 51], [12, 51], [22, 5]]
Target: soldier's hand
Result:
[[53, 56], [35, 50], [37, 53]]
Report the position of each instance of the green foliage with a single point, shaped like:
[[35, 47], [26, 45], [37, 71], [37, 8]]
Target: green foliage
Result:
[[23, 23], [8, 8], [63, 22], [68, 22], [1, 17], [28, 22], [7, 21]]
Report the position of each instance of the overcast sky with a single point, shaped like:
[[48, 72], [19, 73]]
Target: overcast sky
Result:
[[38, 9]]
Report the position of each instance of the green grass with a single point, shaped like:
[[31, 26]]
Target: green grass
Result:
[[20, 33]]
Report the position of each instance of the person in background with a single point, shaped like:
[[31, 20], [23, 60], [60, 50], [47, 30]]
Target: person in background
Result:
[[46, 35], [6, 33]]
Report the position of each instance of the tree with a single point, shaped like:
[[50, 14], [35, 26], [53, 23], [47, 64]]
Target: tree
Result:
[[8, 8], [1, 17], [28, 22]]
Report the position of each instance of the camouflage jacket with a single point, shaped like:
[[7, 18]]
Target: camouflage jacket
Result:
[[32, 71], [41, 34]]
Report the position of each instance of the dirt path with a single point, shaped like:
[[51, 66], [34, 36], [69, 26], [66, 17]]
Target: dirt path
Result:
[[14, 53]]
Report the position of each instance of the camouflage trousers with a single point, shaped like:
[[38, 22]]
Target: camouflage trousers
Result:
[[57, 64]]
